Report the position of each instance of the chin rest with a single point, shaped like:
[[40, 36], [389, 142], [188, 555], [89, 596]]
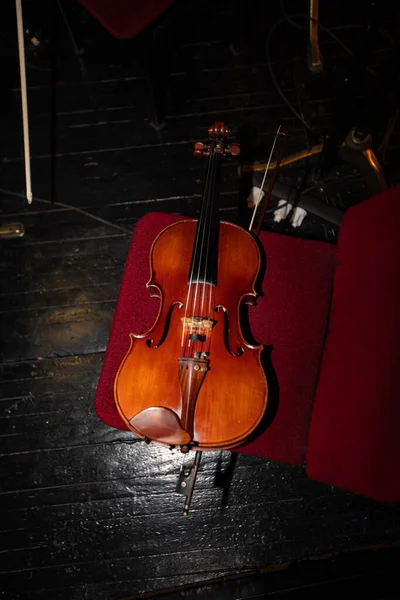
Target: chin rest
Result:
[[160, 424]]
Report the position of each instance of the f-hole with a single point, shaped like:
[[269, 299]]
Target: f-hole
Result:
[[150, 341], [240, 349]]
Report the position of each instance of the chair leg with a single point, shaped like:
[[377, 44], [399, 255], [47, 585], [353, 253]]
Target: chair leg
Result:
[[314, 54], [160, 44], [158, 90], [348, 105], [71, 24], [158, 68], [366, 162]]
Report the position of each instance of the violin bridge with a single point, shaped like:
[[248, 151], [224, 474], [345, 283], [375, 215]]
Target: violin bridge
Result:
[[197, 324]]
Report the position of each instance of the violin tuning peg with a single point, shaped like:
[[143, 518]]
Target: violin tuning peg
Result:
[[198, 149], [201, 149]]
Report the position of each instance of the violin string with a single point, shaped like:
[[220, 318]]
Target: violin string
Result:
[[209, 287], [202, 265], [206, 222], [193, 281], [189, 292], [189, 297], [206, 285], [206, 346]]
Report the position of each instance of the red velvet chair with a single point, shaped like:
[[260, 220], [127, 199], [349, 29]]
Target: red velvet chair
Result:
[[330, 315], [125, 19]]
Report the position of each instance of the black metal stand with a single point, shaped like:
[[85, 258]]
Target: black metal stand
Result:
[[355, 116], [187, 480]]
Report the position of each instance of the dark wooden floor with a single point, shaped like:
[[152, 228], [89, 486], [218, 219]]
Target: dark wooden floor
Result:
[[87, 513]]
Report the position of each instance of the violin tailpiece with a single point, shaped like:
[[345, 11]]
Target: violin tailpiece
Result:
[[192, 372]]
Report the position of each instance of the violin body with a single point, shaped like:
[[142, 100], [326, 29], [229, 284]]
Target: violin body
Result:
[[192, 381], [214, 408]]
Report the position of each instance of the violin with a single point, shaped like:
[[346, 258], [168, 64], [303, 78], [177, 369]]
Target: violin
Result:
[[192, 380]]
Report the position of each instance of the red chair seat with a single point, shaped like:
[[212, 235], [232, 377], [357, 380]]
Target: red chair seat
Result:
[[291, 317], [125, 19]]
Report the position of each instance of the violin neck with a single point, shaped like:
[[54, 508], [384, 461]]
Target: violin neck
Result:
[[204, 265]]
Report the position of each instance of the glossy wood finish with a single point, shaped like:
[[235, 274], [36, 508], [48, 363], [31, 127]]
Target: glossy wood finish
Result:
[[88, 513], [233, 395]]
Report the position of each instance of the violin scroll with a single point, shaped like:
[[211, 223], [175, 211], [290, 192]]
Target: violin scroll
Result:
[[217, 132]]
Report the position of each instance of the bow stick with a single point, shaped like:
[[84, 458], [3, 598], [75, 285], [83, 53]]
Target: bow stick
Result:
[[271, 183], [24, 99]]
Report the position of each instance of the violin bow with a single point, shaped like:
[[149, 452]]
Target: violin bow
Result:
[[280, 132], [24, 99]]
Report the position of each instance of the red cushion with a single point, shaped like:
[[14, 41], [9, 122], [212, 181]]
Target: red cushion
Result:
[[354, 436], [292, 317], [125, 18]]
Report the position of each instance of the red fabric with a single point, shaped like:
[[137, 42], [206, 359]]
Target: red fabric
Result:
[[125, 18], [354, 435], [292, 317]]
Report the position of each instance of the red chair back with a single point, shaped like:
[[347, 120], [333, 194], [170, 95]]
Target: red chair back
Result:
[[125, 19]]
